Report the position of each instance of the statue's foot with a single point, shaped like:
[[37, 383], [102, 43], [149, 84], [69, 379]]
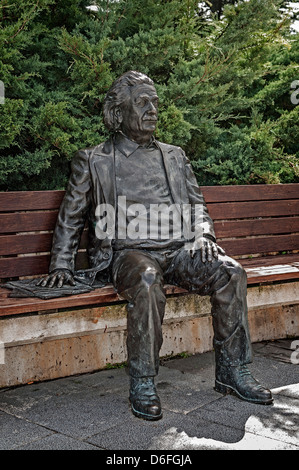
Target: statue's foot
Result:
[[239, 381], [144, 399]]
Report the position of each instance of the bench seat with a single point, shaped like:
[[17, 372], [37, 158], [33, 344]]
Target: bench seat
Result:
[[107, 294]]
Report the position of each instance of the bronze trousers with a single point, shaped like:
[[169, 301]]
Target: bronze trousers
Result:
[[139, 276]]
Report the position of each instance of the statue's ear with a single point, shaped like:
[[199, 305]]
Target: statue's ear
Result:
[[118, 117]]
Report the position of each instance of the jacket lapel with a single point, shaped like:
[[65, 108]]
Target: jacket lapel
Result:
[[103, 173], [173, 172]]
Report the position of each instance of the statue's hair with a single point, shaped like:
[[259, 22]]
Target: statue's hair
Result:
[[118, 94]]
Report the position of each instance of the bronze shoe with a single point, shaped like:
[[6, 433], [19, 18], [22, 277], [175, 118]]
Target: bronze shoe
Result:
[[144, 399], [239, 381]]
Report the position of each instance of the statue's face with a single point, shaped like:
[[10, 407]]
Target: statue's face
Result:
[[140, 113]]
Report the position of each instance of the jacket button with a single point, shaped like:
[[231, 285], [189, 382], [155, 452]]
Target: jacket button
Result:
[[106, 255]]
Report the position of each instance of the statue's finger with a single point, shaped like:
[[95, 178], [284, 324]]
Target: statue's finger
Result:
[[72, 281], [209, 252], [221, 250], [203, 254], [61, 278], [44, 281], [40, 281], [53, 280], [215, 251]]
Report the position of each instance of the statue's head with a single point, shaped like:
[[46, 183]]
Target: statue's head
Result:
[[131, 105]]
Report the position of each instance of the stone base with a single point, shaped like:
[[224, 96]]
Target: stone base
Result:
[[37, 347]]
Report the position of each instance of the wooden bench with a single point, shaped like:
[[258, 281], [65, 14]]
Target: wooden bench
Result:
[[258, 224]]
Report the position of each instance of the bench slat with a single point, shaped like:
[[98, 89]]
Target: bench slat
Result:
[[28, 221], [254, 192], [21, 244], [30, 200], [31, 243], [270, 260], [40, 221], [31, 265], [242, 210], [42, 242], [36, 200], [244, 228], [273, 273], [248, 246], [11, 306], [24, 266], [107, 294]]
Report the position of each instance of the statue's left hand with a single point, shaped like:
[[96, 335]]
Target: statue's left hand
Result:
[[59, 277], [209, 250]]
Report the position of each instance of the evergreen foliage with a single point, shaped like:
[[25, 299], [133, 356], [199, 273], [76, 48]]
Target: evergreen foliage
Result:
[[223, 81]]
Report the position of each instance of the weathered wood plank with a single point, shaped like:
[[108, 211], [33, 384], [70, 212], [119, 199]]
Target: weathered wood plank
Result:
[[254, 192], [270, 260], [245, 228], [30, 200], [107, 294], [28, 221], [31, 265], [249, 246], [31, 243], [245, 210]]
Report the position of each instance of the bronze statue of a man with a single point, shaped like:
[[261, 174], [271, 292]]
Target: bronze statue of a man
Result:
[[142, 173]]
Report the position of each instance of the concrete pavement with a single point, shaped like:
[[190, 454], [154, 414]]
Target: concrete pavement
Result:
[[91, 411]]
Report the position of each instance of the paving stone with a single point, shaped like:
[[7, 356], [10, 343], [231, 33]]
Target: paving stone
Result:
[[58, 442], [16, 432], [80, 413], [184, 400]]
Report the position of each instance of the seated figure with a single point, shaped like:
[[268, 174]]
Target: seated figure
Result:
[[149, 225]]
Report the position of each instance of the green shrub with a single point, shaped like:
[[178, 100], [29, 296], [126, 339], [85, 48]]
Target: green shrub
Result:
[[224, 85]]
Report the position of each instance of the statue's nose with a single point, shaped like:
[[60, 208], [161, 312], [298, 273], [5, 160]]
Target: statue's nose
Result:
[[151, 108]]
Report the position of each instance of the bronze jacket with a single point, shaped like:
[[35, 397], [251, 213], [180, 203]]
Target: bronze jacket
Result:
[[92, 182]]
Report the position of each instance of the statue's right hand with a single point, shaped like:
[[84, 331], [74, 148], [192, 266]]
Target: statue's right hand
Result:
[[59, 277]]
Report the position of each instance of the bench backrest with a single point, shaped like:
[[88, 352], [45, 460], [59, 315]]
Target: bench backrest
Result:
[[250, 221]]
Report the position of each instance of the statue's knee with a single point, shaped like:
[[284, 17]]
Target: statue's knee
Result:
[[150, 277], [235, 269]]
